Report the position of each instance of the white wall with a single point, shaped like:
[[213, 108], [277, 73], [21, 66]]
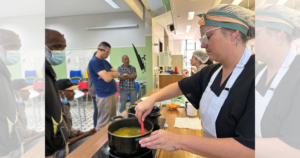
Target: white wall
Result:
[[29, 28], [31, 31], [177, 47], [74, 29]]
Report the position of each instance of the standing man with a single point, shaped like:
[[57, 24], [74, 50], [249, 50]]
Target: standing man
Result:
[[57, 133], [103, 74], [127, 84], [9, 121]]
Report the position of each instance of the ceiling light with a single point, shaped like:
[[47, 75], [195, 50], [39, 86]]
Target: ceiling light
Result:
[[281, 2], [191, 15], [112, 3], [188, 27], [236, 2], [111, 27]]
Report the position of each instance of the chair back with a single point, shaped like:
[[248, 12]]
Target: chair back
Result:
[[75, 76], [30, 76]]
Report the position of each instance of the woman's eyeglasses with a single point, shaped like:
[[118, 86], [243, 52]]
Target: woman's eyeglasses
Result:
[[204, 38]]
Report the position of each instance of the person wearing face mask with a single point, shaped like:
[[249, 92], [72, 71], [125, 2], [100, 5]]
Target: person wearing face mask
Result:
[[199, 60], [21, 91], [223, 93], [11, 129], [57, 132], [103, 74], [76, 137]]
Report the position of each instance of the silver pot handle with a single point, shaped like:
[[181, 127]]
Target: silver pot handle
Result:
[[115, 117]]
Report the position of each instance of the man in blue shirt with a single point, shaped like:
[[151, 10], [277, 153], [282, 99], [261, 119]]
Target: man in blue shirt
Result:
[[103, 74], [127, 84]]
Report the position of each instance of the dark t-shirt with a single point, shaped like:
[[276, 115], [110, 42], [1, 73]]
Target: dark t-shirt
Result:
[[236, 117], [103, 89], [281, 117]]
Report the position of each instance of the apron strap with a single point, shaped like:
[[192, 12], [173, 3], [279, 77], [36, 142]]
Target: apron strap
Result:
[[238, 68]]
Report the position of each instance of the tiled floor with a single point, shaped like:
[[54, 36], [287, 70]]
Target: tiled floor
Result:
[[39, 108], [86, 124]]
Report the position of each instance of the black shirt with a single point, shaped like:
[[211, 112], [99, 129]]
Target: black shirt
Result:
[[282, 115], [9, 141], [236, 117], [261, 87], [53, 110]]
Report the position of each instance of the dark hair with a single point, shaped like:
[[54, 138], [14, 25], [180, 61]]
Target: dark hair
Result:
[[95, 53], [104, 44], [209, 62]]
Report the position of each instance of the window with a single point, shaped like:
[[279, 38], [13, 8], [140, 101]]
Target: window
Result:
[[187, 49]]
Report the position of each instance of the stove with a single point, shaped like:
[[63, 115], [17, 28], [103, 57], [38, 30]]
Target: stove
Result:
[[105, 152]]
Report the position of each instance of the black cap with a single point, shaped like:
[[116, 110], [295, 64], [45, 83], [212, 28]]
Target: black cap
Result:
[[20, 84], [65, 84]]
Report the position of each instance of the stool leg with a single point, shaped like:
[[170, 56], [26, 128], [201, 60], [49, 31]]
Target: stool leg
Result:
[[38, 107], [34, 114], [79, 114], [83, 109], [86, 99]]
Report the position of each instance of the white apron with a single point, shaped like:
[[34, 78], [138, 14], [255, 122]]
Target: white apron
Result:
[[261, 102], [210, 104]]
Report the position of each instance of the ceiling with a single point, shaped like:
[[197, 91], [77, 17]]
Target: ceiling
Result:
[[181, 8], [17, 8], [57, 8], [288, 3]]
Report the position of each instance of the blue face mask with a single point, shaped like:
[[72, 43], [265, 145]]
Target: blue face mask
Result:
[[55, 57], [12, 57], [19, 100], [64, 101], [58, 57]]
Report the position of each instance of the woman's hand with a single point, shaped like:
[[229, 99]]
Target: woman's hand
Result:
[[162, 139], [143, 109], [185, 73], [194, 69]]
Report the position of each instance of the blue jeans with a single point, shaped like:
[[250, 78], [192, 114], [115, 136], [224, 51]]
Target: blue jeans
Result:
[[95, 111], [123, 95]]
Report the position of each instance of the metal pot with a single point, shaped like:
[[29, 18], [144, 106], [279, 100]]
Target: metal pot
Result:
[[152, 117], [127, 146]]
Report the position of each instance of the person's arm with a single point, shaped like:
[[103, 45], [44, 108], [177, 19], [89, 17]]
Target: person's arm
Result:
[[113, 70], [185, 73], [124, 77], [106, 76], [145, 107], [274, 147], [207, 147], [82, 135], [132, 76], [114, 74]]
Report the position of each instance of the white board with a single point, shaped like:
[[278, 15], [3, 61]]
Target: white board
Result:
[[32, 60], [79, 59]]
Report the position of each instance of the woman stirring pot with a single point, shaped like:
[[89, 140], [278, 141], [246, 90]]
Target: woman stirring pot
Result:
[[223, 93]]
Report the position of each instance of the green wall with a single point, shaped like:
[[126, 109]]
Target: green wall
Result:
[[15, 70], [61, 71], [115, 61], [149, 66]]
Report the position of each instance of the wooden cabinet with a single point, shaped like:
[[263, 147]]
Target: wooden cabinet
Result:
[[165, 80]]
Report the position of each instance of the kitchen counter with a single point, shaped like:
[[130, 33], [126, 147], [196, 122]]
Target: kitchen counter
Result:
[[92, 145]]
